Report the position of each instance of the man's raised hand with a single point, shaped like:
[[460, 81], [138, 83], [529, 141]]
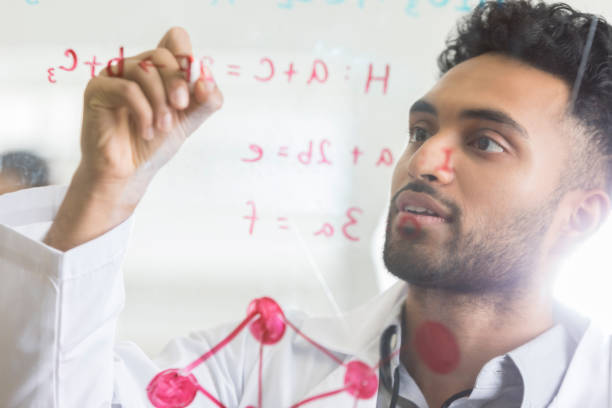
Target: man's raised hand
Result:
[[144, 115], [133, 124]]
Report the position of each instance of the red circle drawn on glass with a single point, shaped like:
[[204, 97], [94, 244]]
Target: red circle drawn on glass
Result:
[[270, 326], [436, 346], [171, 389], [360, 380], [405, 220]]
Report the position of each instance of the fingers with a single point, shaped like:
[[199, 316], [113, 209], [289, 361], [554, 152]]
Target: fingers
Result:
[[169, 69], [207, 96], [206, 92], [161, 75], [115, 93], [177, 41], [157, 73], [207, 99]]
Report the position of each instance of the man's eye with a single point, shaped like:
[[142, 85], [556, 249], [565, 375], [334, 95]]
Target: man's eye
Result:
[[417, 134], [488, 145]]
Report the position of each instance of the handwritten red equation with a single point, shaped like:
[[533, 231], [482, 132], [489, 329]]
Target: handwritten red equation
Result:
[[316, 73], [321, 156], [326, 230], [114, 66]]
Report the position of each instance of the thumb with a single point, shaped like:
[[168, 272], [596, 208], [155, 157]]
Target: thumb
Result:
[[207, 99]]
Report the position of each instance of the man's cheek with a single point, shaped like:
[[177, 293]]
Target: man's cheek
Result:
[[399, 173]]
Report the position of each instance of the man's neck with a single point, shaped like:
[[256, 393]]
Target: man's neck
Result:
[[447, 338]]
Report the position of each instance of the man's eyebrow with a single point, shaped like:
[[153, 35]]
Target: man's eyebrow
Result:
[[423, 106], [495, 116]]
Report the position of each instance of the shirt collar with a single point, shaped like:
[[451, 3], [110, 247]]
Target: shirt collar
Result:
[[357, 332], [534, 369], [547, 355], [542, 363]]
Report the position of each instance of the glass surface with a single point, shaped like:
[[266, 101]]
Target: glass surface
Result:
[[282, 193]]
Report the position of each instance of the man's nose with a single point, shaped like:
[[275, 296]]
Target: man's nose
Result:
[[434, 160]]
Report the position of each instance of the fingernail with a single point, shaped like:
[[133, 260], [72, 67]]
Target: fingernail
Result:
[[165, 121], [149, 134], [181, 98], [209, 80]]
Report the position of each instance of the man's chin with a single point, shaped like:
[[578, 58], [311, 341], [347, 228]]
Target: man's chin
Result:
[[411, 262]]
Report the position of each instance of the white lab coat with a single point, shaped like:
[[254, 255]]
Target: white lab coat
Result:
[[58, 320]]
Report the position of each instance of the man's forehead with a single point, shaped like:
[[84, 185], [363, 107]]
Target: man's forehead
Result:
[[494, 81]]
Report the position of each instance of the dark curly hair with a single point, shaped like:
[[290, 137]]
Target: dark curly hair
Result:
[[552, 38]]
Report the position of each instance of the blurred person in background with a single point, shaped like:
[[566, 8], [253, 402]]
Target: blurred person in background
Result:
[[22, 169]]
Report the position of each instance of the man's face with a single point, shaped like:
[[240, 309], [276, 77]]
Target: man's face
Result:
[[486, 152]]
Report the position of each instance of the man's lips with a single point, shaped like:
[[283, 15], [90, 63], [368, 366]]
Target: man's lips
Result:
[[422, 207]]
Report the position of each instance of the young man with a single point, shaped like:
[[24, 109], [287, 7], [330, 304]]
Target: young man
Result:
[[508, 168]]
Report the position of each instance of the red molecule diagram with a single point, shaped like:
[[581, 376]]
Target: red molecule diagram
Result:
[[177, 388], [305, 157], [318, 73]]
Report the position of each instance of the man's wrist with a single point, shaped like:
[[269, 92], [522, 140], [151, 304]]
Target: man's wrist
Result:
[[91, 207]]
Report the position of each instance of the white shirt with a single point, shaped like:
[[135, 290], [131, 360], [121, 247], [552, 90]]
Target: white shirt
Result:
[[60, 310], [529, 375]]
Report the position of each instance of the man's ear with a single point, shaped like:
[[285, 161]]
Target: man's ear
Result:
[[587, 212]]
